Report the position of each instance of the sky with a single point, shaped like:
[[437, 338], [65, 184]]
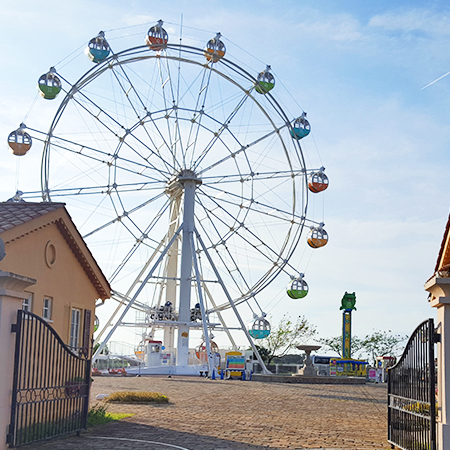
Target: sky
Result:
[[357, 68]]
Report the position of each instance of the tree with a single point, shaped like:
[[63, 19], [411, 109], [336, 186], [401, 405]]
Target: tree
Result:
[[334, 344], [383, 343], [105, 351], [379, 343], [285, 336]]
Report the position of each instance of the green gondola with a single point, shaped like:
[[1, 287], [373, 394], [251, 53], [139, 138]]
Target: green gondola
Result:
[[49, 84]]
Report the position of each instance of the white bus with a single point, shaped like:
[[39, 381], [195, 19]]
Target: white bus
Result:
[[322, 364]]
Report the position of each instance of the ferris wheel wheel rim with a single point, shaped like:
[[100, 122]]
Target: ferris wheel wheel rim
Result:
[[96, 72]]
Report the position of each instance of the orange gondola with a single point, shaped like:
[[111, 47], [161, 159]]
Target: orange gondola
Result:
[[318, 181], [19, 141], [317, 237], [215, 49]]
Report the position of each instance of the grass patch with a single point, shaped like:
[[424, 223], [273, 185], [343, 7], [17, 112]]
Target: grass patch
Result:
[[137, 397], [98, 416]]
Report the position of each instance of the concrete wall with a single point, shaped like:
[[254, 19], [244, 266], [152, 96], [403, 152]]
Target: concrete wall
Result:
[[439, 288], [11, 295]]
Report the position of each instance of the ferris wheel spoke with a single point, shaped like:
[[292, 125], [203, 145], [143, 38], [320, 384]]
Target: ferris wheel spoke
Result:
[[196, 119], [80, 149], [125, 214], [102, 189], [100, 111], [270, 254], [243, 148], [125, 92], [235, 232], [142, 240], [221, 258], [169, 167], [253, 176], [165, 78], [132, 87], [125, 131], [262, 189], [218, 133], [247, 203]]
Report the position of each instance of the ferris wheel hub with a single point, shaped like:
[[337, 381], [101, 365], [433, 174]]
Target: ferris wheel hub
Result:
[[188, 175], [175, 186]]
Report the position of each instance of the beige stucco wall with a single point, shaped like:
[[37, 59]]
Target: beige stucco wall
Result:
[[11, 296], [64, 280]]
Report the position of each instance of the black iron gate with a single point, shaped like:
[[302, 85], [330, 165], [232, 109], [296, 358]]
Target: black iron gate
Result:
[[51, 383], [412, 393]]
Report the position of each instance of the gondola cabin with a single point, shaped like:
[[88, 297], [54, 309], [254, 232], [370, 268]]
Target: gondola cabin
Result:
[[201, 352], [300, 128], [49, 84], [98, 48], [215, 49], [265, 82], [157, 37], [317, 182], [317, 237], [298, 288], [260, 328], [19, 141]]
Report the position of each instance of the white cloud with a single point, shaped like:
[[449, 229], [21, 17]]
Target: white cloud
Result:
[[423, 20]]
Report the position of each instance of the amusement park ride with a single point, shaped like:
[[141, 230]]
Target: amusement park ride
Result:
[[192, 182]]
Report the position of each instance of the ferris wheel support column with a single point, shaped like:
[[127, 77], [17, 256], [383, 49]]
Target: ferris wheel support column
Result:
[[171, 271], [189, 181], [233, 306]]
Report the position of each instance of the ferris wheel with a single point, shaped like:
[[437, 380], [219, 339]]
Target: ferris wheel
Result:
[[188, 181]]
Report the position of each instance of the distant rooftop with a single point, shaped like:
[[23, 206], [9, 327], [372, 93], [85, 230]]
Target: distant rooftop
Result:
[[13, 214]]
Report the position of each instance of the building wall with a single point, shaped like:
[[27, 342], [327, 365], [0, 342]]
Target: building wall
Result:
[[45, 256]]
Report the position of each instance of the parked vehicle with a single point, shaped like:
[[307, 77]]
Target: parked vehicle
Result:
[[322, 364]]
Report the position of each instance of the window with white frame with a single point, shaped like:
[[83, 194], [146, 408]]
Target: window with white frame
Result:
[[27, 302], [47, 308], [75, 320]]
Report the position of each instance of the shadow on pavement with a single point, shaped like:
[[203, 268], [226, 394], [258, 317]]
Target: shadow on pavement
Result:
[[126, 435]]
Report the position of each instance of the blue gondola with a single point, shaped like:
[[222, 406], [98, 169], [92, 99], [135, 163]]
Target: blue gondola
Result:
[[260, 328], [300, 128], [98, 48]]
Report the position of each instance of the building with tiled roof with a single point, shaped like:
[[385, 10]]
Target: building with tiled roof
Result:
[[42, 242]]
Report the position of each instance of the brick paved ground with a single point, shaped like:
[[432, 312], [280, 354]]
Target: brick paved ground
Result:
[[233, 414]]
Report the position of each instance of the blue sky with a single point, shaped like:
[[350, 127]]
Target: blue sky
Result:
[[356, 67]]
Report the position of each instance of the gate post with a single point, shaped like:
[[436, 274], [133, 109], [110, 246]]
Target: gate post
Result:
[[439, 288], [11, 296]]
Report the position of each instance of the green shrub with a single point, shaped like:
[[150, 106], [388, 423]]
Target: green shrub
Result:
[[137, 397], [98, 416]]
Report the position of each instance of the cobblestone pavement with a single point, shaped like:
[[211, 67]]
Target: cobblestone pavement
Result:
[[233, 414]]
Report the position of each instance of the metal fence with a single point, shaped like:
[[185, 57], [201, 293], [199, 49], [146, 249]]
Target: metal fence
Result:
[[412, 393], [50, 394]]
